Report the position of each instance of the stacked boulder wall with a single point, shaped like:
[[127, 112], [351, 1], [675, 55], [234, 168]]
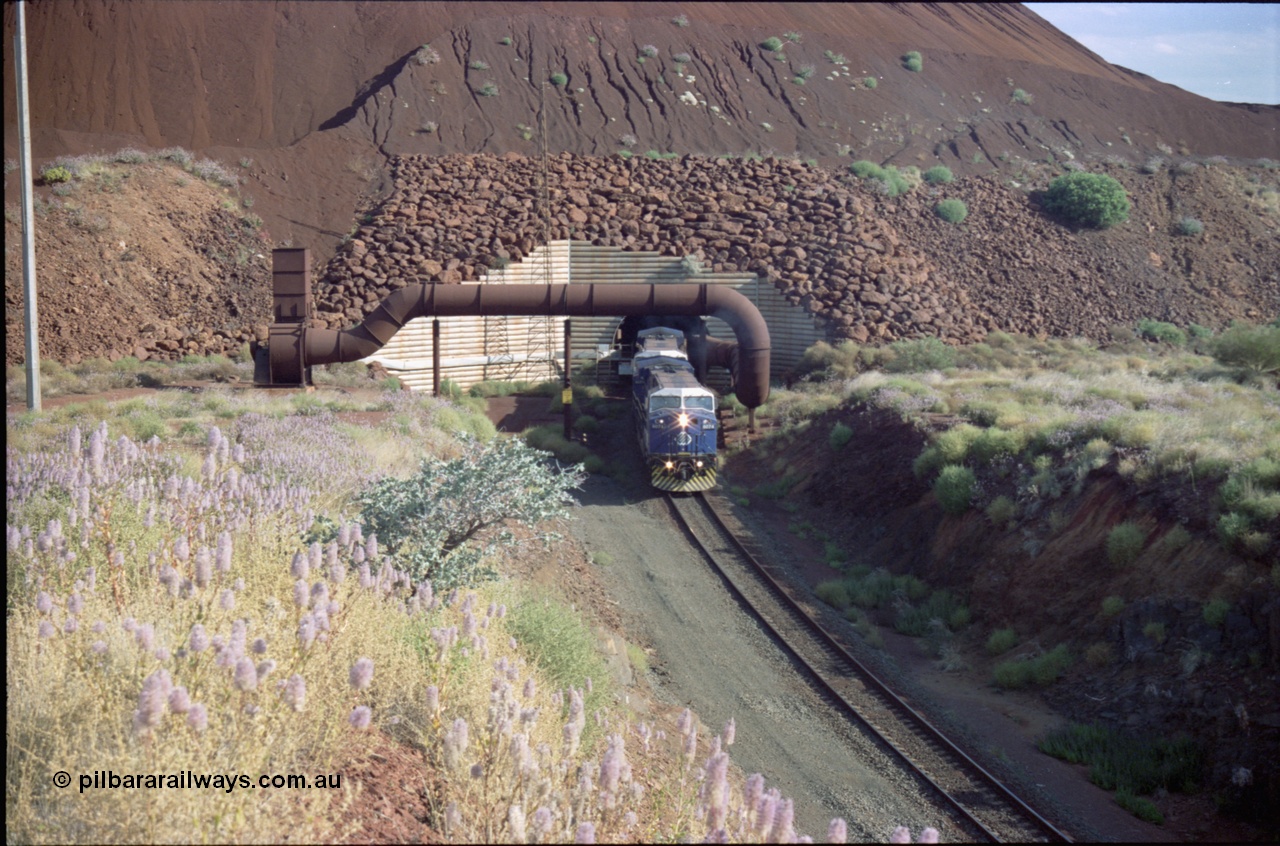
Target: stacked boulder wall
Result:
[[872, 268], [448, 219]]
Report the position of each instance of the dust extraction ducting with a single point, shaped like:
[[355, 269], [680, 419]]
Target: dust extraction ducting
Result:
[[293, 346]]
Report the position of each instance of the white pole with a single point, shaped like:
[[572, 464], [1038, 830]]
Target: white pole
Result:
[[28, 217]]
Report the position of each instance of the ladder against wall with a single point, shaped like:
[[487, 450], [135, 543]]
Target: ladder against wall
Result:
[[476, 349]]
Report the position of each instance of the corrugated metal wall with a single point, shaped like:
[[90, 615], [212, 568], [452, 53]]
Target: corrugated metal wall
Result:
[[477, 349]]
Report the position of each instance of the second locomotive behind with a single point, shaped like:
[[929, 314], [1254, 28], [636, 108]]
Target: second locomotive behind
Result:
[[675, 415]]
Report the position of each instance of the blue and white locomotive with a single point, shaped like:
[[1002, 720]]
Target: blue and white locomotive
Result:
[[675, 415]]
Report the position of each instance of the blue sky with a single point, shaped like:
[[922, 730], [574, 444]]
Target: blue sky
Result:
[[1223, 51]]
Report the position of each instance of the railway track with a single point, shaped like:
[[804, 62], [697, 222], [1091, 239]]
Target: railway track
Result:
[[985, 807]]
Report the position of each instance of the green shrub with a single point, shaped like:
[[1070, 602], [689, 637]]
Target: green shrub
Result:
[[1141, 807], [1022, 97], [938, 174], [870, 82], [835, 593], [1089, 199], [920, 356], [1253, 348], [773, 44], [1154, 330], [1112, 606], [1002, 510], [806, 71], [954, 488], [559, 79], [952, 211], [912, 61], [1124, 543], [864, 169], [55, 174], [1041, 671], [559, 642], [1175, 539], [840, 435], [477, 64], [1190, 226], [489, 89], [1001, 641], [505, 41], [428, 522], [1232, 527], [1215, 612], [1126, 763]]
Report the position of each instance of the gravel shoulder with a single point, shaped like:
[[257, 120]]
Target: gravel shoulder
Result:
[[710, 657]]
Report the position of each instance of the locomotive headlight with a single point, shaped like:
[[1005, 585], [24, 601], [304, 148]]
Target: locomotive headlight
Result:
[[683, 420], [670, 465], [698, 464]]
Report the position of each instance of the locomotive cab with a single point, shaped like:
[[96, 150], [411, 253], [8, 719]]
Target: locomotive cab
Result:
[[675, 415]]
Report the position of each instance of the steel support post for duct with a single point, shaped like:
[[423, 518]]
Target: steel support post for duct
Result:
[[568, 382], [435, 357]]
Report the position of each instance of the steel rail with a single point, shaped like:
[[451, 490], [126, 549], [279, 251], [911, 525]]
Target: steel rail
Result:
[[912, 716]]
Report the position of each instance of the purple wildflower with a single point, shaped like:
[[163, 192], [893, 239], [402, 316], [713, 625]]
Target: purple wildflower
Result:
[[477, 770], [203, 568], [300, 593], [586, 833], [128, 624], [433, 699], [320, 594], [259, 646], [541, 823], [361, 717], [265, 669], [714, 798], [783, 832], [198, 717], [179, 700], [452, 818], [306, 632], [222, 554], [344, 535], [198, 640], [838, 831], [46, 629], [44, 602], [371, 547], [181, 549], [227, 600], [75, 604], [98, 647], [901, 834], [152, 701], [730, 730], [71, 626], [295, 692], [515, 820], [162, 654], [145, 636], [361, 675], [299, 568], [246, 675], [455, 743]]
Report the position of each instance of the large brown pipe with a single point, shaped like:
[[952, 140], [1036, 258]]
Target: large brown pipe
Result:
[[325, 346]]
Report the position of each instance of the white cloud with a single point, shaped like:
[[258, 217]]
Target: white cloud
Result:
[[1164, 47]]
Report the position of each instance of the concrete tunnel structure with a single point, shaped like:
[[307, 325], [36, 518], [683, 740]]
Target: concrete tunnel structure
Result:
[[293, 345]]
